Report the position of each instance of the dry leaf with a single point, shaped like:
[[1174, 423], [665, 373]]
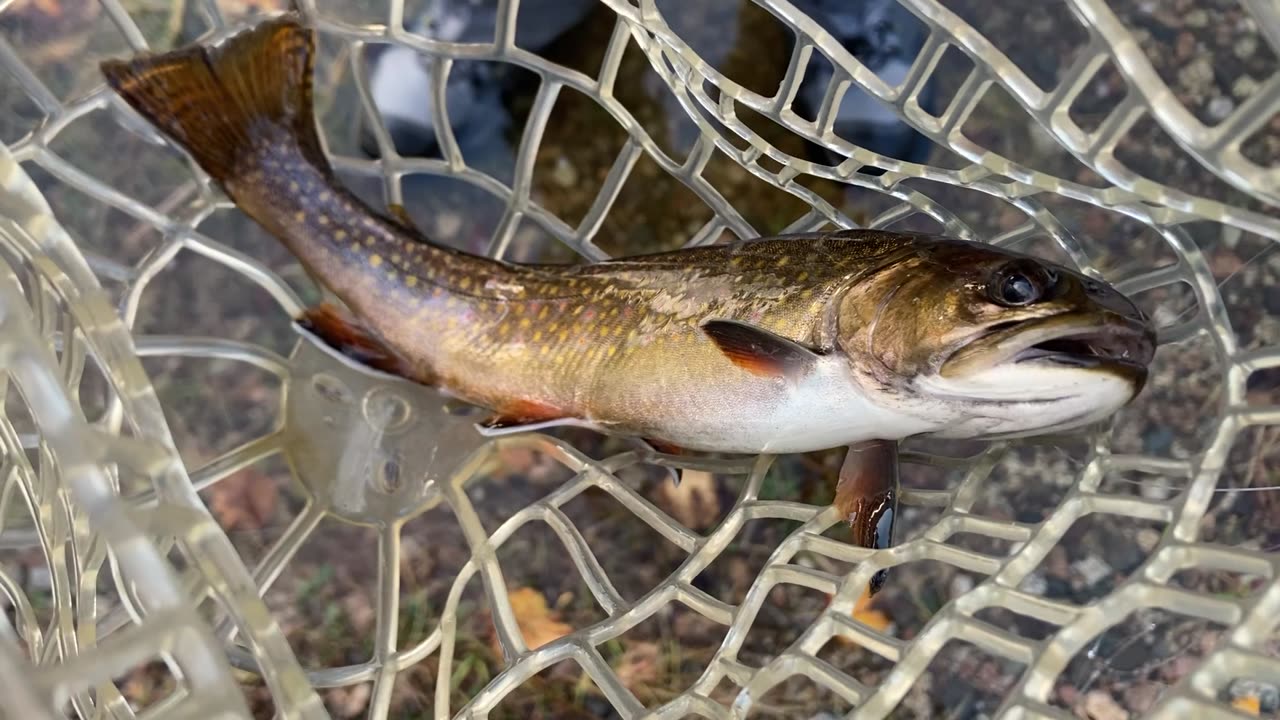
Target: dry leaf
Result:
[[1251, 704], [537, 623], [693, 502], [1099, 705], [244, 501], [638, 666], [867, 615]]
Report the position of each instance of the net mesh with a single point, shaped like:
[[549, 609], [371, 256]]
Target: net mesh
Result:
[[140, 574]]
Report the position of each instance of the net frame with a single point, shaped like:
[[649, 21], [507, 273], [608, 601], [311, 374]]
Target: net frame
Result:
[[60, 292]]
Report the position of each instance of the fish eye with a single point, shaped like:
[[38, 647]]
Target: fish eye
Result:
[[1014, 287]]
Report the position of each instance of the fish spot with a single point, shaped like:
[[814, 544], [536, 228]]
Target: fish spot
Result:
[[370, 240], [340, 235], [411, 281], [300, 216], [782, 261], [464, 282], [524, 323], [375, 260], [326, 196], [395, 257], [537, 335], [802, 277], [613, 350], [323, 219], [293, 186]]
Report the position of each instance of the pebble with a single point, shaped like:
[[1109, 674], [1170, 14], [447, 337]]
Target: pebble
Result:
[[1196, 18], [564, 174], [1092, 569], [1246, 46], [1244, 87], [1101, 706], [1197, 77], [1148, 539], [448, 224], [1035, 584], [1156, 491], [1220, 107]]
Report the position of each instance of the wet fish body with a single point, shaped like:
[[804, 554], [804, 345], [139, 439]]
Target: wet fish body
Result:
[[785, 344]]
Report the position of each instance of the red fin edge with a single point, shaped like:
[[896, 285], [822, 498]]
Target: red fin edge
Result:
[[523, 412], [348, 336]]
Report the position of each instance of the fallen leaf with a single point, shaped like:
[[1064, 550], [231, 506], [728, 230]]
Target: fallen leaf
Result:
[[538, 624], [867, 615], [244, 501], [638, 666], [1099, 705], [1251, 704], [694, 502]]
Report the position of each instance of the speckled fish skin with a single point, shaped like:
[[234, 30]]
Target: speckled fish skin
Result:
[[622, 344]]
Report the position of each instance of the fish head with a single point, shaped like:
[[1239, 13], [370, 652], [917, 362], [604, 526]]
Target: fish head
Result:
[[994, 343]]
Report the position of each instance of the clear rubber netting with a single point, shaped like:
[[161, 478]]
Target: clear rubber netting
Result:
[[1045, 564]]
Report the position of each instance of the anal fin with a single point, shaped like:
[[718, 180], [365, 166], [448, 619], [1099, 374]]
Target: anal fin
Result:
[[349, 336]]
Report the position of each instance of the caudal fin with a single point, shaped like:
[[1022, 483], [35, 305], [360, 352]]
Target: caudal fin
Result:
[[225, 105]]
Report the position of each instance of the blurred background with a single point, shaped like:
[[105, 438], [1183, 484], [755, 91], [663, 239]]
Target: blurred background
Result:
[[1212, 55]]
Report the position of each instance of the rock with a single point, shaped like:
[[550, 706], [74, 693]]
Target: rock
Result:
[[1220, 107], [1143, 696], [1101, 706], [1148, 539], [1197, 76], [564, 174], [1185, 48], [1244, 87], [448, 224], [1035, 584], [1092, 569], [1245, 47]]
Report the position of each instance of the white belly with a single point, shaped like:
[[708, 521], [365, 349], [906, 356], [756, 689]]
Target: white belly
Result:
[[825, 409]]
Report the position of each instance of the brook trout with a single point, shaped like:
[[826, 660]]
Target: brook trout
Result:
[[773, 345]]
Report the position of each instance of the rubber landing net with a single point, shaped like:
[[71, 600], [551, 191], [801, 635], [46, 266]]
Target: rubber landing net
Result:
[[134, 570]]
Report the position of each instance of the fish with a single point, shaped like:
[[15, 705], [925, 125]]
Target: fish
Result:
[[783, 344]]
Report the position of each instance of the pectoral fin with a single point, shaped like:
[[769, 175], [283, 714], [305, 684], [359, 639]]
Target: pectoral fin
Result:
[[342, 332], [867, 497], [759, 351]]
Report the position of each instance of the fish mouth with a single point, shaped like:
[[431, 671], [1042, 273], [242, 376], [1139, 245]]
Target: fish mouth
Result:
[[1111, 343]]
